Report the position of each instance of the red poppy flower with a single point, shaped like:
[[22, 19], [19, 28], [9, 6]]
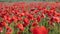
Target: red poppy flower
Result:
[[4, 24], [20, 26], [39, 30], [1, 29], [26, 22], [15, 18], [29, 16], [43, 16], [56, 19], [34, 24], [8, 29], [38, 18]]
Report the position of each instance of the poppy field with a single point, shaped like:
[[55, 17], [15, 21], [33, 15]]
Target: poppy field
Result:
[[30, 18]]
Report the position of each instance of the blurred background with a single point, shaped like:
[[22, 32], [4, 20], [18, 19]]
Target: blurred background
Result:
[[29, 0]]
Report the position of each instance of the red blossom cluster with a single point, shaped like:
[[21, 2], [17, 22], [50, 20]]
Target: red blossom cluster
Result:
[[23, 14]]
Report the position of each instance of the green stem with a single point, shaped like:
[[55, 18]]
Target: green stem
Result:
[[58, 28]]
